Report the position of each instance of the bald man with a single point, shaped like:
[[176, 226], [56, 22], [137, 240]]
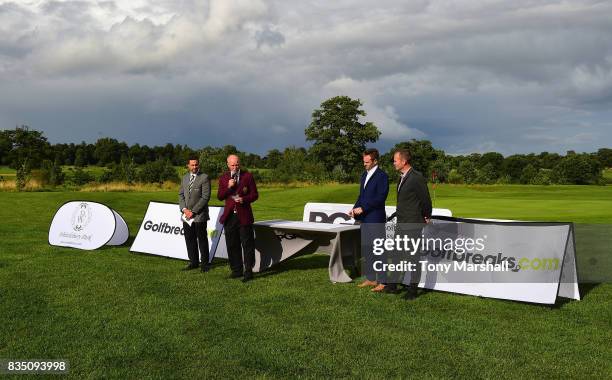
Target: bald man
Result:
[[237, 188]]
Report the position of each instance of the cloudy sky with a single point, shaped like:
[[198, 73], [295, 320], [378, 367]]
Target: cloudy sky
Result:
[[471, 76]]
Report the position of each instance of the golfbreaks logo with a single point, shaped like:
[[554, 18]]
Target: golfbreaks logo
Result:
[[466, 254]]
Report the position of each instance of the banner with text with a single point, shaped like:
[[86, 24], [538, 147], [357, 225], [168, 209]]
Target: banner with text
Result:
[[522, 261], [338, 212], [161, 232]]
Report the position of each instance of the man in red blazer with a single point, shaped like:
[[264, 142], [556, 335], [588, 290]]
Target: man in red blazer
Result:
[[237, 188]]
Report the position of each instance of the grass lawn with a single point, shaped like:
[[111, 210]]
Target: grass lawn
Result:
[[115, 314], [7, 172], [95, 171]]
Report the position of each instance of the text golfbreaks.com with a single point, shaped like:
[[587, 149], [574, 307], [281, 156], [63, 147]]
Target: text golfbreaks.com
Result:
[[461, 254]]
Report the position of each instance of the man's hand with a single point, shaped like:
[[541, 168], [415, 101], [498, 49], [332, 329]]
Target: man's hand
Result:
[[188, 213], [238, 200], [231, 183], [356, 211]]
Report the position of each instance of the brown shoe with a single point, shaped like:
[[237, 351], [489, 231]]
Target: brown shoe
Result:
[[379, 289], [367, 283]]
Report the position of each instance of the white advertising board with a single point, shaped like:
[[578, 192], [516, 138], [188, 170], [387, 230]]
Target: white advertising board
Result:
[[541, 259], [87, 225], [161, 232], [338, 212]]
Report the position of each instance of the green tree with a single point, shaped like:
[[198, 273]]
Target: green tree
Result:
[[291, 166], [513, 166], [51, 173], [441, 167], [80, 159], [455, 177], [542, 178], [80, 177], [549, 160], [604, 155], [22, 175], [158, 171], [109, 151], [579, 169], [213, 161], [495, 161], [467, 170], [26, 145], [486, 174], [422, 152], [528, 174], [6, 146], [339, 137], [273, 158]]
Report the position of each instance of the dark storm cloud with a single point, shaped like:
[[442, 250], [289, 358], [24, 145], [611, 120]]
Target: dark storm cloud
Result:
[[515, 76]]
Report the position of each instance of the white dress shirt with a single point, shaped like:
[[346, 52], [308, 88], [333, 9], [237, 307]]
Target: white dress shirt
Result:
[[369, 175]]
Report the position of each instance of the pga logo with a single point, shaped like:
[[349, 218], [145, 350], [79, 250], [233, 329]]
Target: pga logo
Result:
[[323, 217]]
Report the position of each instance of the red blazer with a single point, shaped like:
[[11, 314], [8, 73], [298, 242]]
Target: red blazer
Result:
[[247, 190]]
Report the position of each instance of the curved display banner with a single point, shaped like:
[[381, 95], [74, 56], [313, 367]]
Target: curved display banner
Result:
[[161, 232], [338, 212], [87, 225], [540, 257]]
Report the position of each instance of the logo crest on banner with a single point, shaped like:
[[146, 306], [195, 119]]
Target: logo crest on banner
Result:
[[81, 216]]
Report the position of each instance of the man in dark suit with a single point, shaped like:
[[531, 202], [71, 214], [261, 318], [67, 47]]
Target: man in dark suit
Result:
[[237, 188], [370, 208], [194, 195], [413, 210]]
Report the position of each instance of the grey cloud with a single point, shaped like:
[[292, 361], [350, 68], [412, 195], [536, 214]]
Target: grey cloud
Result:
[[510, 76], [270, 37]]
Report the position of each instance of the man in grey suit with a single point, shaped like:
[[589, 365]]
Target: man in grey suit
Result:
[[413, 210], [194, 195]]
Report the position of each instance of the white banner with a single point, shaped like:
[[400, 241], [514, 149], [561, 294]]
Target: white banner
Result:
[[521, 261], [338, 212], [161, 232], [87, 225]]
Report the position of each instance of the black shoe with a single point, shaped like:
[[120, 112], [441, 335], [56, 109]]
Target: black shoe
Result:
[[205, 267], [247, 277], [191, 266], [391, 289], [235, 275], [411, 294]]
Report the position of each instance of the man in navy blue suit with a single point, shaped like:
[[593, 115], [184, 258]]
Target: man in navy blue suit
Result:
[[370, 207]]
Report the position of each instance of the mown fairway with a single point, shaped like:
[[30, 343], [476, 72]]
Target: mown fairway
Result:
[[121, 315]]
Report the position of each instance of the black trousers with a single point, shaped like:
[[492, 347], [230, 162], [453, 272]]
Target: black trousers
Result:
[[369, 232], [412, 231], [195, 235], [239, 239]]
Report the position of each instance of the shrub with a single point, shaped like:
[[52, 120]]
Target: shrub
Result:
[[528, 173], [158, 172], [51, 173], [22, 175], [455, 177], [80, 177], [579, 169], [542, 178]]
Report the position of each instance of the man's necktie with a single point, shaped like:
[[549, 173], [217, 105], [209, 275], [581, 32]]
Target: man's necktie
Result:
[[191, 181], [399, 184]]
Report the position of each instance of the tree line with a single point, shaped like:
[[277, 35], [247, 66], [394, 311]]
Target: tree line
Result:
[[338, 139]]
